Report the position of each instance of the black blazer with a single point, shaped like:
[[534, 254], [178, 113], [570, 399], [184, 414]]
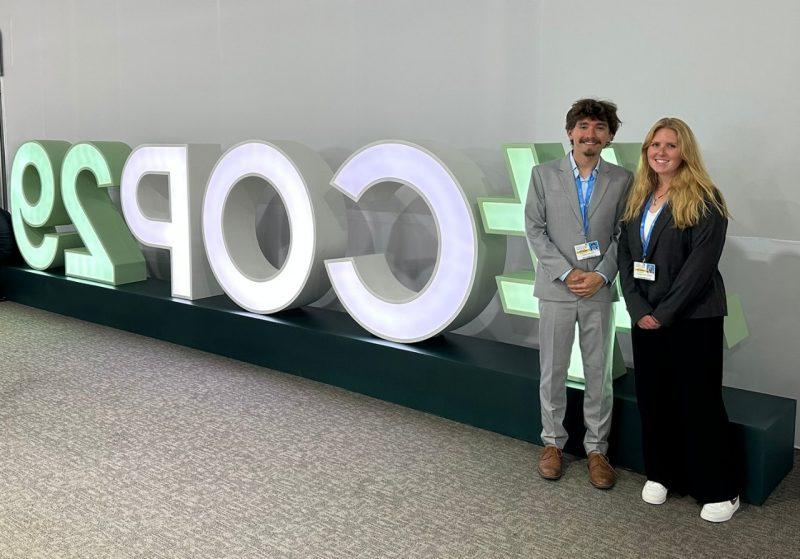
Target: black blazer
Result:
[[688, 283]]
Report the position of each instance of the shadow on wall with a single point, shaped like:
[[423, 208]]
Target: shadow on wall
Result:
[[494, 324], [764, 273], [781, 215]]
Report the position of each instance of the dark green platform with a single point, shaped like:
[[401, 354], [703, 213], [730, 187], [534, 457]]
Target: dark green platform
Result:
[[484, 383]]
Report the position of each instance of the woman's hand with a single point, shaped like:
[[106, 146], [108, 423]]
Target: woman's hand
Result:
[[648, 322]]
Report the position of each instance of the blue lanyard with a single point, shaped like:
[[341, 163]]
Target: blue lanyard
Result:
[[645, 235], [584, 201]]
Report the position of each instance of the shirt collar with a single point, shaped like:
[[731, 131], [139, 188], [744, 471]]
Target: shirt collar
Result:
[[576, 172]]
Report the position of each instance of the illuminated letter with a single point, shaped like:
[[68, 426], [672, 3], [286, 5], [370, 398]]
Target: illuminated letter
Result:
[[110, 253], [178, 229], [36, 204], [316, 222], [467, 260]]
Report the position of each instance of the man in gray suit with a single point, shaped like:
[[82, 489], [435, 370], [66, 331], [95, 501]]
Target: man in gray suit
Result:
[[572, 219]]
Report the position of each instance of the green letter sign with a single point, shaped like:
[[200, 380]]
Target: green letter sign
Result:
[[53, 184]]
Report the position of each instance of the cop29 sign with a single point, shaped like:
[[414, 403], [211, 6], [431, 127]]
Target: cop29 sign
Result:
[[208, 226]]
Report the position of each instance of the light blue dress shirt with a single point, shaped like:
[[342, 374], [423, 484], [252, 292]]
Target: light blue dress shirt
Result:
[[583, 184]]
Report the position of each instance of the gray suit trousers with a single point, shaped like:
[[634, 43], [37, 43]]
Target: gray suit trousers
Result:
[[595, 320]]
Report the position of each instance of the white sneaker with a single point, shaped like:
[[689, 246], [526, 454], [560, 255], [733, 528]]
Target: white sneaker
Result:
[[720, 512], [654, 493]]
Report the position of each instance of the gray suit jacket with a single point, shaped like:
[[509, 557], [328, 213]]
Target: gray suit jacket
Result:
[[554, 226]]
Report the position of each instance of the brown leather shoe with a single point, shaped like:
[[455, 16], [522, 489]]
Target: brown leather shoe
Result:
[[550, 462], [601, 474]]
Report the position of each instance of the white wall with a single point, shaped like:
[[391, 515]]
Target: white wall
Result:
[[336, 74]]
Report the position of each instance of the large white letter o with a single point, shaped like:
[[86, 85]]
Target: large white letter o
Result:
[[300, 177]]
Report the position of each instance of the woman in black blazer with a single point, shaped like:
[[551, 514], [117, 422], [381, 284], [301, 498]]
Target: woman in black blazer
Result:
[[673, 232]]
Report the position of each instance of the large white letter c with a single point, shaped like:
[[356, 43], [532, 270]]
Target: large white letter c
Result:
[[468, 260]]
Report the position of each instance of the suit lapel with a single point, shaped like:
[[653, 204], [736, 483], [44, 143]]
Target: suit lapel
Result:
[[568, 184], [662, 220], [600, 188]]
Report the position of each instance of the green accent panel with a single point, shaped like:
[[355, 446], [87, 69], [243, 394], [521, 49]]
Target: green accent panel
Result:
[[484, 383], [625, 155], [516, 294], [622, 320], [735, 326], [506, 216], [110, 254], [36, 204]]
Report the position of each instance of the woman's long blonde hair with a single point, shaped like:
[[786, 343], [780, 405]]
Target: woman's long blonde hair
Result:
[[691, 191]]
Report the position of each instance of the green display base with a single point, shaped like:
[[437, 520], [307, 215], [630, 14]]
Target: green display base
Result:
[[484, 383]]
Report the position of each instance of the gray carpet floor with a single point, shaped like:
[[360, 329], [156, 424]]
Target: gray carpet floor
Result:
[[116, 445]]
